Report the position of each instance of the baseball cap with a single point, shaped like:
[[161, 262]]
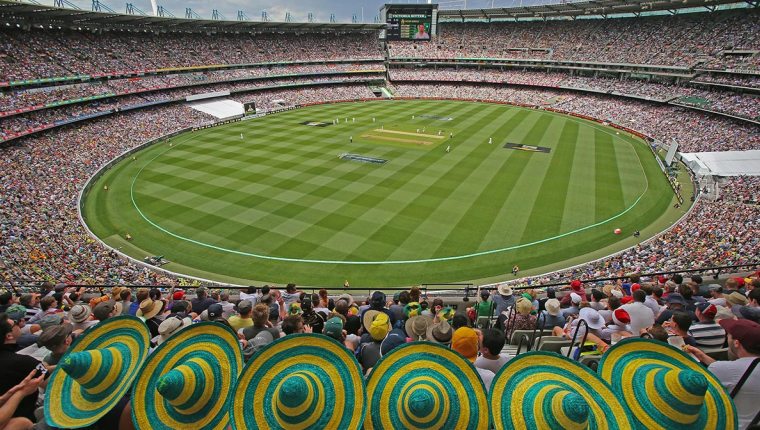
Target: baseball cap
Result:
[[333, 328], [50, 321], [244, 306], [745, 331], [178, 295], [102, 310], [576, 285], [675, 298], [707, 309], [215, 311], [575, 298]]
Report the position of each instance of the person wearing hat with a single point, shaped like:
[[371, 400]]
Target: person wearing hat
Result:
[[735, 301], [57, 340], [708, 335], [80, 317], [552, 315], [243, 318], [334, 328], [752, 310], [369, 353], [744, 345], [377, 304], [416, 327], [439, 332], [716, 295], [575, 303], [576, 287], [107, 309], [312, 318], [674, 302], [169, 327], [523, 319], [149, 311], [504, 298], [466, 342], [15, 367]]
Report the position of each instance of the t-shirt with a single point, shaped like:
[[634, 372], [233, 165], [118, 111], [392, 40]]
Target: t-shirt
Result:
[[237, 323], [551, 321], [729, 373], [200, 305], [492, 365], [486, 376], [485, 309], [708, 336], [13, 369], [251, 332], [502, 302]]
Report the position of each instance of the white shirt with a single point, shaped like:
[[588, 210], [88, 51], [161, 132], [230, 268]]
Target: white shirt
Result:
[[729, 373], [492, 365], [652, 304], [487, 377], [641, 316]]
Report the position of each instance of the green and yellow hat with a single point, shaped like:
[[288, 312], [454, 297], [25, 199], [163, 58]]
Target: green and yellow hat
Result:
[[425, 385], [300, 381], [666, 388], [187, 381], [96, 372], [544, 390]]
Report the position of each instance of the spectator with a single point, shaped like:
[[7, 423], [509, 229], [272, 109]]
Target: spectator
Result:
[[744, 344], [708, 335], [679, 326], [14, 367], [484, 309], [552, 315], [491, 357], [465, 341], [80, 317], [201, 302], [293, 324], [243, 318], [261, 323]]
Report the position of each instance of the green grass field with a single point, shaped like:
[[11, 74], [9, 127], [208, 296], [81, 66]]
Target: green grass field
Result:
[[280, 205]]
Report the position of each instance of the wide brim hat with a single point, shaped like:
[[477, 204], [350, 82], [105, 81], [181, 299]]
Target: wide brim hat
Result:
[[303, 381], [425, 385], [665, 387], [439, 332], [96, 372], [149, 308], [544, 390], [412, 322], [187, 381], [368, 317], [504, 290], [79, 317], [592, 318]]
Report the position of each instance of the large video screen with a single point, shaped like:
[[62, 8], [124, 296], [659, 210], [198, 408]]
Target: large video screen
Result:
[[405, 23]]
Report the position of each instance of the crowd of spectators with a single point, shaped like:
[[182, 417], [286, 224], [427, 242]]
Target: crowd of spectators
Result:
[[18, 123], [45, 53], [694, 131], [750, 81], [743, 105], [39, 327], [42, 175], [743, 189], [25, 98], [682, 40]]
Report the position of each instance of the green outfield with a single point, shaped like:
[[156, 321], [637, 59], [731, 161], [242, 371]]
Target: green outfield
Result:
[[381, 203]]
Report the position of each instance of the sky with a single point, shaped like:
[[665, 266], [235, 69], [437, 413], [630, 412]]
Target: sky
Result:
[[299, 9]]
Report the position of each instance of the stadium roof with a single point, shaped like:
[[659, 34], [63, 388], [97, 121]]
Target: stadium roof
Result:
[[29, 14], [584, 8]]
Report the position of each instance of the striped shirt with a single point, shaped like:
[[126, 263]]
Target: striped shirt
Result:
[[709, 336]]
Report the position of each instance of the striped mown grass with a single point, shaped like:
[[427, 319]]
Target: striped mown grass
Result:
[[280, 205]]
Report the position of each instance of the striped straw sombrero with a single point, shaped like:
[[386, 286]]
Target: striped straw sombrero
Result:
[[96, 372], [425, 385], [544, 390], [187, 381], [300, 381], [666, 388]]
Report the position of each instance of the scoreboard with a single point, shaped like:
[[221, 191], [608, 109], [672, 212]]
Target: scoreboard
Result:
[[409, 22]]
